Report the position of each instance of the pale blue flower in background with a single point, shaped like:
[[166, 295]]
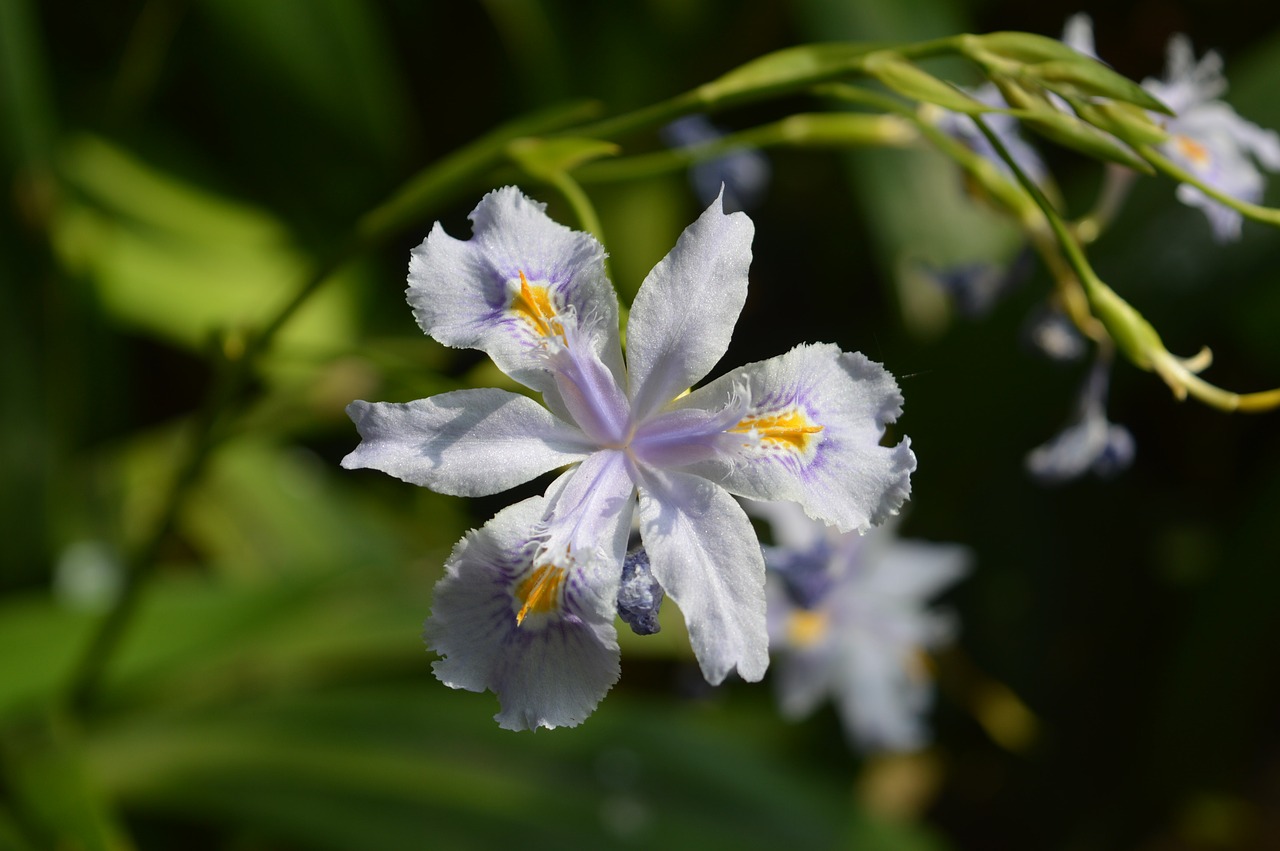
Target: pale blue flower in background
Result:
[[1077, 34], [1052, 334], [742, 174], [1090, 442], [977, 286], [527, 604], [849, 620], [1209, 139]]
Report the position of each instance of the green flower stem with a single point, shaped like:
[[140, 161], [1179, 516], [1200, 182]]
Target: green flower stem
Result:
[[1266, 215], [581, 205], [1003, 192], [802, 130], [978, 167], [784, 72], [432, 187], [1132, 333], [1115, 190], [212, 425]]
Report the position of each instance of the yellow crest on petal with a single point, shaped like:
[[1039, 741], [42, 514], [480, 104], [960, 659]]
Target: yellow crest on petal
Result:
[[791, 429], [540, 592], [533, 305]]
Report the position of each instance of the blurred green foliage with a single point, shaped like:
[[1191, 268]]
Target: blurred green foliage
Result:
[[177, 169]]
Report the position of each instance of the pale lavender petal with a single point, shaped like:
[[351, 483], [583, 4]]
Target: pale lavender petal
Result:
[[805, 668], [882, 697], [508, 289], [804, 680], [588, 391], [588, 514], [705, 554], [792, 528], [1078, 35], [684, 436], [811, 434], [465, 443], [552, 669], [914, 571], [684, 313]]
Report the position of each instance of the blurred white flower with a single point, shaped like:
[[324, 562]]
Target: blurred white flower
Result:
[[848, 619], [1208, 138], [1089, 443]]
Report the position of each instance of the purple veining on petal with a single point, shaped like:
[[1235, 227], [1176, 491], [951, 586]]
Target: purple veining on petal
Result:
[[685, 436], [590, 391], [778, 402]]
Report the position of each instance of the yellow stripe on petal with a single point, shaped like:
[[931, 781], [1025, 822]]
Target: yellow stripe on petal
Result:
[[533, 305], [540, 592], [792, 429]]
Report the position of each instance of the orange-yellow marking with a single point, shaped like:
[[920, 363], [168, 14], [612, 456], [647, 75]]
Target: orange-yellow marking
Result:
[[540, 591], [533, 304], [790, 427], [1192, 150], [806, 627]]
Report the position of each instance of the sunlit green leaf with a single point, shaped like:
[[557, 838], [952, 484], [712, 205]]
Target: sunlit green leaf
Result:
[[548, 157], [182, 262]]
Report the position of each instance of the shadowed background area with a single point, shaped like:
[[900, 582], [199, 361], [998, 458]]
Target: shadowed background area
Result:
[[175, 170]]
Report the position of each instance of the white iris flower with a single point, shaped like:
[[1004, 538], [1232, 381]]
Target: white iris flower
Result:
[[527, 605]]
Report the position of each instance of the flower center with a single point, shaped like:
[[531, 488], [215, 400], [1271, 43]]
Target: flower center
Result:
[[791, 429], [533, 305], [806, 627], [1197, 153], [540, 591]]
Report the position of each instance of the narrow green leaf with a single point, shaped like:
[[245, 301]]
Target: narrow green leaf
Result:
[[1125, 121], [1019, 47], [789, 68], [914, 82], [844, 129], [1038, 114], [1082, 76], [1071, 132]]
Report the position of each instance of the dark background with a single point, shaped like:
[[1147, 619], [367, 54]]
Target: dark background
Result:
[[176, 167]]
